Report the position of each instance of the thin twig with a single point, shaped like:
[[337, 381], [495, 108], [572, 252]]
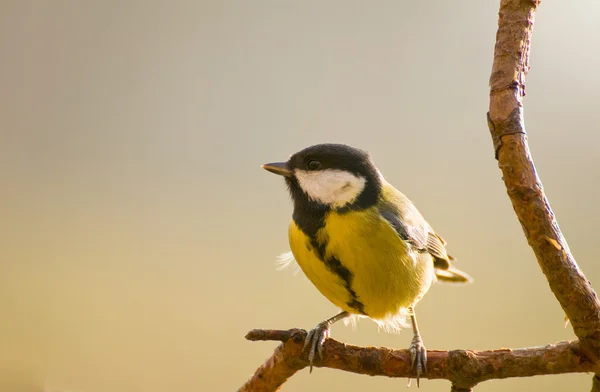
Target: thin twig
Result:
[[285, 361]]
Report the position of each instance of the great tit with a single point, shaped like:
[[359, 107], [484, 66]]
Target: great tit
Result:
[[361, 242]]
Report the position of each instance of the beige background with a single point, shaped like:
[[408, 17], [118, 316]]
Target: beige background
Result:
[[139, 234]]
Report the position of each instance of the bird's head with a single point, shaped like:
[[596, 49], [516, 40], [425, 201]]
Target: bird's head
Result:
[[334, 176]]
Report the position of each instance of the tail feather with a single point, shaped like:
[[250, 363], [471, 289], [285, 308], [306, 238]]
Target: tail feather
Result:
[[452, 275]]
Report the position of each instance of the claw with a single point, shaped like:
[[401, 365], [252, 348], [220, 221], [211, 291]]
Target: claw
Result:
[[418, 357], [314, 341], [316, 337]]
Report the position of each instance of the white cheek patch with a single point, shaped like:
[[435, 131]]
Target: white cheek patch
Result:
[[332, 187]]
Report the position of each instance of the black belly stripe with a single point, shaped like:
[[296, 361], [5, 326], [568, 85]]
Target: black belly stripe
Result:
[[334, 265], [309, 216]]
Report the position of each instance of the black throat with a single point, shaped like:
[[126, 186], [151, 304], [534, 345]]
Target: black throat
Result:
[[310, 215]]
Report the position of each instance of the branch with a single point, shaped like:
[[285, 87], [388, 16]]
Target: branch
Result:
[[505, 120], [464, 368]]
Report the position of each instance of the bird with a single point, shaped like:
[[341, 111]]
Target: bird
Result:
[[362, 243]]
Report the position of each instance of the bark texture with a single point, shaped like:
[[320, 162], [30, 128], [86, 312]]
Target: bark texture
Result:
[[464, 368]]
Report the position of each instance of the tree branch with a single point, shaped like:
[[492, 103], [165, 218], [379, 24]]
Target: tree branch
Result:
[[464, 368], [505, 120]]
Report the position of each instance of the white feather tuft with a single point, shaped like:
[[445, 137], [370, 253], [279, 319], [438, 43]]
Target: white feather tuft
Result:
[[353, 320], [286, 260], [396, 322], [391, 324]]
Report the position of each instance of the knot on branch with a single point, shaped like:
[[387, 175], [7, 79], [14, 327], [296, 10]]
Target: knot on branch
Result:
[[511, 125], [465, 371]]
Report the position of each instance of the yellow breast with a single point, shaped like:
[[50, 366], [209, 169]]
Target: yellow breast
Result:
[[360, 264]]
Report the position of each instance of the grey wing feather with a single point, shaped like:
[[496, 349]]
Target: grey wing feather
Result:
[[444, 270], [413, 229], [417, 239], [410, 225], [436, 247]]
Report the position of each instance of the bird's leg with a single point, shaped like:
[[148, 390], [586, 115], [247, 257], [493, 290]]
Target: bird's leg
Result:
[[316, 337], [418, 352]]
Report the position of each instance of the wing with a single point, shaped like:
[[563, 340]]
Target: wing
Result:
[[415, 236], [410, 225]]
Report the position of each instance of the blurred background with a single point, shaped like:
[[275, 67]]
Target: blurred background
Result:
[[139, 234]]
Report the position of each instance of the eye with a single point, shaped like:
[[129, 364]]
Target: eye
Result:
[[314, 165]]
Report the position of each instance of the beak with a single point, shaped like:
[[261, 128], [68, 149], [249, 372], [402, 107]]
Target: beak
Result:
[[280, 168]]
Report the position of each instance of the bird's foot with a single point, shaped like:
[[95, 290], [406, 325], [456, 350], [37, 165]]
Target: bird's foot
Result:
[[418, 357], [314, 341]]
